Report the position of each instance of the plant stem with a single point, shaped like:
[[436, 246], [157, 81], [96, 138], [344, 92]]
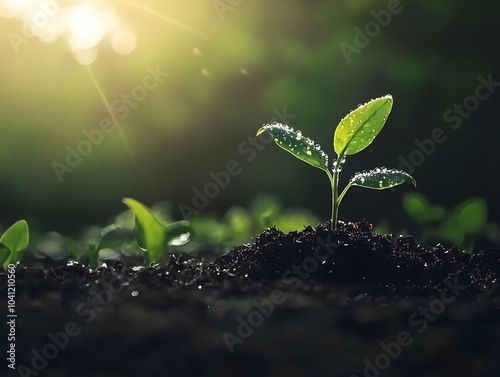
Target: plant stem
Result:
[[332, 184], [337, 167], [334, 180], [335, 196], [343, 193]]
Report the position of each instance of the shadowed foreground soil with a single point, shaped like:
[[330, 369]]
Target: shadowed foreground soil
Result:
[[313, 303]]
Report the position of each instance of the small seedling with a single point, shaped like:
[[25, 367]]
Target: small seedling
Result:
[[459, 226], [13, 243], [153, 236], [93, 249], [354, 133]]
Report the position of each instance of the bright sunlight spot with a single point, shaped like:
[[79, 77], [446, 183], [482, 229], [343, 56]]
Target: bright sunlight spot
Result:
[[123, 42], [84, 24]]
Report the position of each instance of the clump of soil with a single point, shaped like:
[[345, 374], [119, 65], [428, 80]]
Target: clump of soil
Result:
[[353, 254], [317, 302]]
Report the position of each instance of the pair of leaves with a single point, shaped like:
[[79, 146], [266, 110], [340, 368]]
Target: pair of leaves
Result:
[[153, 236], [354, 133], [13, 242]]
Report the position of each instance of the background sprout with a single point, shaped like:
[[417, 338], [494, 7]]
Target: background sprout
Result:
[[152, 235], [93, 249], [460, 225], [354, 133], [13, 243]]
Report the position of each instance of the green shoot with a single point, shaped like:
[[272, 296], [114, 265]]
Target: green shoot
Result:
[[93, 249], [153, 236], [13, 243], [73, 250], [354, 133]]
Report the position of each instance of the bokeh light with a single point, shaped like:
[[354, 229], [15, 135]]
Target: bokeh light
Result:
[[83, 24]]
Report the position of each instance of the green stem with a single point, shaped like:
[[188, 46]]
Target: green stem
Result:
[[336, 199], [341, 196], [335, 193]]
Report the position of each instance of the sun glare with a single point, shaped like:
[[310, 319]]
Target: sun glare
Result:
[[84, 24], [88, 25]]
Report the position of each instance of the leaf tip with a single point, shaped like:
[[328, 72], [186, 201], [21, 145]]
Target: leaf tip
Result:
[[261, 130], [24, 223]]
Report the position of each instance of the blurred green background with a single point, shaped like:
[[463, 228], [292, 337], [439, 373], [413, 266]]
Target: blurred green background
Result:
[[233, 68]]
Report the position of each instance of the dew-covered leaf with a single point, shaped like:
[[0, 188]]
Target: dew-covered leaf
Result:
[[293, 142], [150, 232], [358, 129], [381, 178]]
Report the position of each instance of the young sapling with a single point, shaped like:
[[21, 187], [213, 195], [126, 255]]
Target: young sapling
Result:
[[354, 133]]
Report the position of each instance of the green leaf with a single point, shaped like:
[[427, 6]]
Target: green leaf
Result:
[[358, 129], [16, 239], [150, 232], [381, 178], [472, 215], [94, 249], [266, 210], [93, 255], [468, 218], [4, 256], [293, 142], [179, 233], [73, 249], [418, 207]]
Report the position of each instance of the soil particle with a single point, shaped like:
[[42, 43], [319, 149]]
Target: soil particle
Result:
[[311, 303]]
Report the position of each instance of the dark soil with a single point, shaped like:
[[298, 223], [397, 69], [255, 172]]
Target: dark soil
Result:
[[313, 303]]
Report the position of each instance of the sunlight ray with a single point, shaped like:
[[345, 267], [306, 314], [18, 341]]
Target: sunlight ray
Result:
[[170, 20], [111, 114]]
